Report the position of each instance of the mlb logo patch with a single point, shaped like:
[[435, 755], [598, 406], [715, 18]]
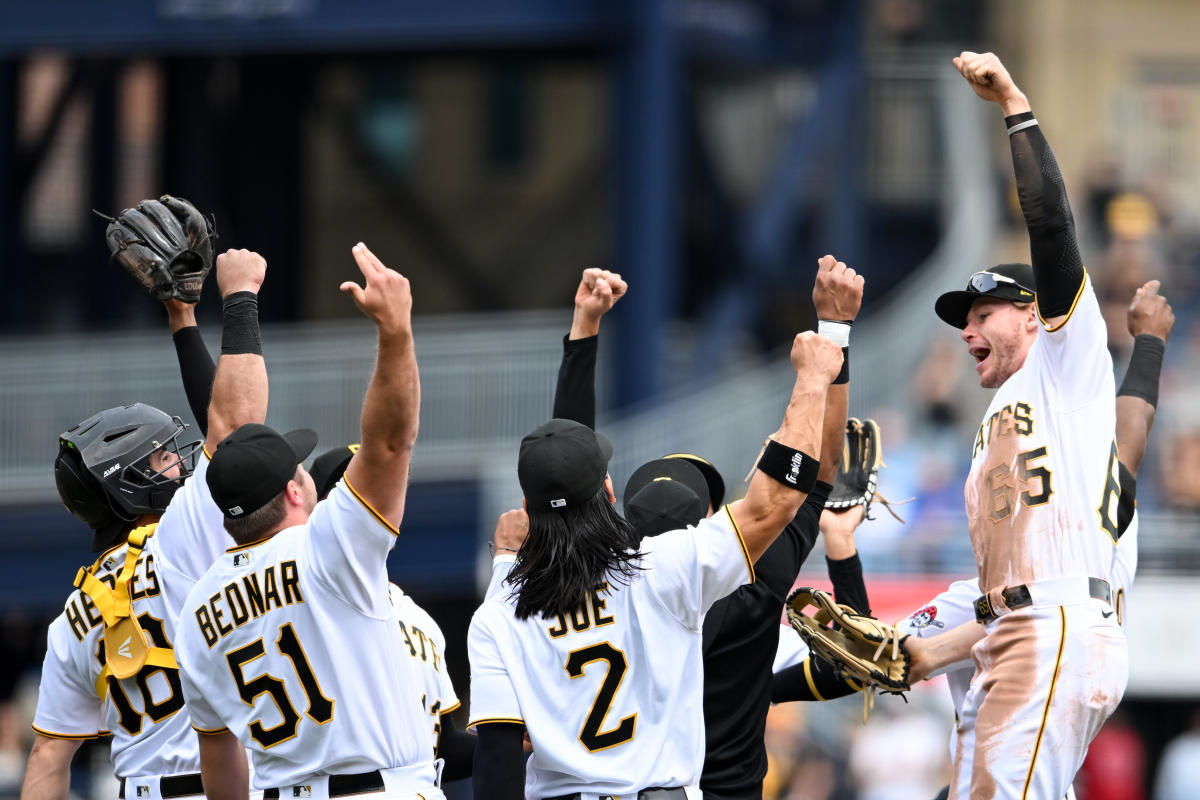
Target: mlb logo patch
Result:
[[241, 559], [143, 791], [301, 791], [559, 503]]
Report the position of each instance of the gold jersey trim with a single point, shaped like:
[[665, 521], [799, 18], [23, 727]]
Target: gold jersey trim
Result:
[[489, 720], [79, 737], [808, 677], [393, 529], [1070, 310], [741, 543]]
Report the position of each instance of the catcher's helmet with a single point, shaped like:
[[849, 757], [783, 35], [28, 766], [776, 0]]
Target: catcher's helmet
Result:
[[103, 470]]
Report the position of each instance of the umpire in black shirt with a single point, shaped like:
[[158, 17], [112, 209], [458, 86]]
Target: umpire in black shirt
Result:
[[741, 631]]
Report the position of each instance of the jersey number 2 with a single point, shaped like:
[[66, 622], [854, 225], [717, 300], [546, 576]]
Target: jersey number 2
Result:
[[591, 736], [320, 707]]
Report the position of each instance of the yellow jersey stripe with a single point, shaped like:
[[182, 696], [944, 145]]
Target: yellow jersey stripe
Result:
[[394, 530], [741, 543], [1070, 310], [255, 543], [446, 711], [487, 720], [71, 736], [808, 677], [1062, 641], [212, 732]]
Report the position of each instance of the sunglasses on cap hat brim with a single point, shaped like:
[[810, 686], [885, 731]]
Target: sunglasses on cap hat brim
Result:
[[985, 281]]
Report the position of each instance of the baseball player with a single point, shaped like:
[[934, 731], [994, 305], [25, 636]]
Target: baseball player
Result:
[[423, 641], [288, 643], [1041, 496], [676, 491], [109, 664], [570, 653]]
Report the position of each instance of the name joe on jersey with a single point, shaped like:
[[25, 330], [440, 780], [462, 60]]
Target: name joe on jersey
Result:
[[249, 598], [81, 611], [589, 614]]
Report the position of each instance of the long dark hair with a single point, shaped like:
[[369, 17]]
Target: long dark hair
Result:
[[569, 553]]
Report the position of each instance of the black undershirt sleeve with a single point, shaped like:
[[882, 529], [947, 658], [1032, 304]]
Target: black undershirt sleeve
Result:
[[499, 772], [197, 369], [792, 684], [1053, 248], [575, 394], [848, 586], [457, 749]]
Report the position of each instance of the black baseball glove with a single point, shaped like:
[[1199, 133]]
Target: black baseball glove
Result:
[[858, 473], [166, 244]]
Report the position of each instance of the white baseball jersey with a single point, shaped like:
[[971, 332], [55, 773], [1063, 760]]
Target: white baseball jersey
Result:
[[1124, 568], [611, 695], [151, 734], [790, 651], [426, 646], [1041, 496], [291, 644]]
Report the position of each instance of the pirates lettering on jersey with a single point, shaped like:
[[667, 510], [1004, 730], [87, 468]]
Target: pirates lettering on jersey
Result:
[[1015, 418], [81, 611], [581, 619], [420, 645], [247, 599]]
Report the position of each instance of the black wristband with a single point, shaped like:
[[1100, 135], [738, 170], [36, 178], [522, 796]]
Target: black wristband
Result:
[[844, 375], [1145, 368], [795, 469], [239, 330]]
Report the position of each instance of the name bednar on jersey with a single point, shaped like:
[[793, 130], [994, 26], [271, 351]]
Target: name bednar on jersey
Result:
[[289, 642]]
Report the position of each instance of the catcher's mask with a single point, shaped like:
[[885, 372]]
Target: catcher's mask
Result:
[[103, 467]]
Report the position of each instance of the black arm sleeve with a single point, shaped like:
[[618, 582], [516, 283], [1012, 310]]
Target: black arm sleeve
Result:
[[457, 748], [848, 586], [1145, 369], [197, 369], [499, 772], [1053, 249], [811, 679], [575, 394]]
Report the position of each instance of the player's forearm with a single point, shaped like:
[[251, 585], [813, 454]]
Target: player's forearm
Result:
[[811, 679], [392, 406], [768, 505], [223, 767], [197, 369], [499, 769], [930, 656], [847, 576], [239, 389], [837, 402], [1054, 250], [575, 392], [48, 771]]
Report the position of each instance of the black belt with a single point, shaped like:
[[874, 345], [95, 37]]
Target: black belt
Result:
[[1019, 597], [341, 785], [174, 786], [644, 794]]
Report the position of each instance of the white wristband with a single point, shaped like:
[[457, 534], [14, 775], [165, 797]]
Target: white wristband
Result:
[[504, 558], [836, 332], [1020, 126]]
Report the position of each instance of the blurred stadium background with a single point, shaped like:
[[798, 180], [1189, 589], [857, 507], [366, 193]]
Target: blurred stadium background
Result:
[[710, 151]]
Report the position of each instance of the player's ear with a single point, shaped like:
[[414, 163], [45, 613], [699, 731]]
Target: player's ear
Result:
[[608, 487], [1031, 318], [525, 505]]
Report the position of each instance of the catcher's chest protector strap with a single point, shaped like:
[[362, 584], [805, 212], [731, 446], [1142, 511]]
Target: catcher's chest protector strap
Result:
[[126, 650]]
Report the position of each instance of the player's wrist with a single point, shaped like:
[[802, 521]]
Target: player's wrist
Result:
[[240, 333], [1014, 102]]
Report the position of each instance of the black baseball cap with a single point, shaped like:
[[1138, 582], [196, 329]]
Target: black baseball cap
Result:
[[716, 484], [665, 495], [329, 467], [253, 464], [663, 506], [1003, 281], [562, 464]]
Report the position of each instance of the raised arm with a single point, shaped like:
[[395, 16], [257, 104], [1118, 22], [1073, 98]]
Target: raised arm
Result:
[[1054, 250], [239, 391], [378, 472], [837, 297], [773, 499], [196, 366], [575, 394], [1150, 320]]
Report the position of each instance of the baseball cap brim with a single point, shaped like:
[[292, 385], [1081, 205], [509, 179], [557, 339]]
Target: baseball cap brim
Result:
[[664, 505], [302, 441], [953, 307], [716, 484]]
